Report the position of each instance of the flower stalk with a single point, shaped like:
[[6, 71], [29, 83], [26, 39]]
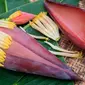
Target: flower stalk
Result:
[[73, 55], [46, 26], [35, 36], [58, 48], [63, 52], [39, 37], [7, 24]]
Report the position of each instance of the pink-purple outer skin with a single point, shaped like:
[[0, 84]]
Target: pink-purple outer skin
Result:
[[23, 18], [30, 43], [71, 20], [17, 49], [24, 59], [26, 65]]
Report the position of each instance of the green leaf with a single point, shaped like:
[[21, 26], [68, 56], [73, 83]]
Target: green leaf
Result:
[[71, 2], [2, 6], [39, 80], [6, 5], [9, 77], [15, 3], [15, 78], [26, 8]]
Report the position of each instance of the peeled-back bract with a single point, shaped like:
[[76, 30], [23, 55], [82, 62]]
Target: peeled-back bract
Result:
[[71, 21]]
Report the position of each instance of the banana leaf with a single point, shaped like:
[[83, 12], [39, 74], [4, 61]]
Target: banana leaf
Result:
[[6, 5], [71, 2], [15, 78], [2, 6], [15, 3]]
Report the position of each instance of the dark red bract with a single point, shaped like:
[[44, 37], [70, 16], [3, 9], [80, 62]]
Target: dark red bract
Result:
[[71, 20]]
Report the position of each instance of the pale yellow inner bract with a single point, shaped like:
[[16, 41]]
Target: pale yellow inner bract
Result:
[[2, 58], [5, 40], [7, 24], [14, 15]]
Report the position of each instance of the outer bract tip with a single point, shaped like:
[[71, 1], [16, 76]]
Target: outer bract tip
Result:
[[20, 17]]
